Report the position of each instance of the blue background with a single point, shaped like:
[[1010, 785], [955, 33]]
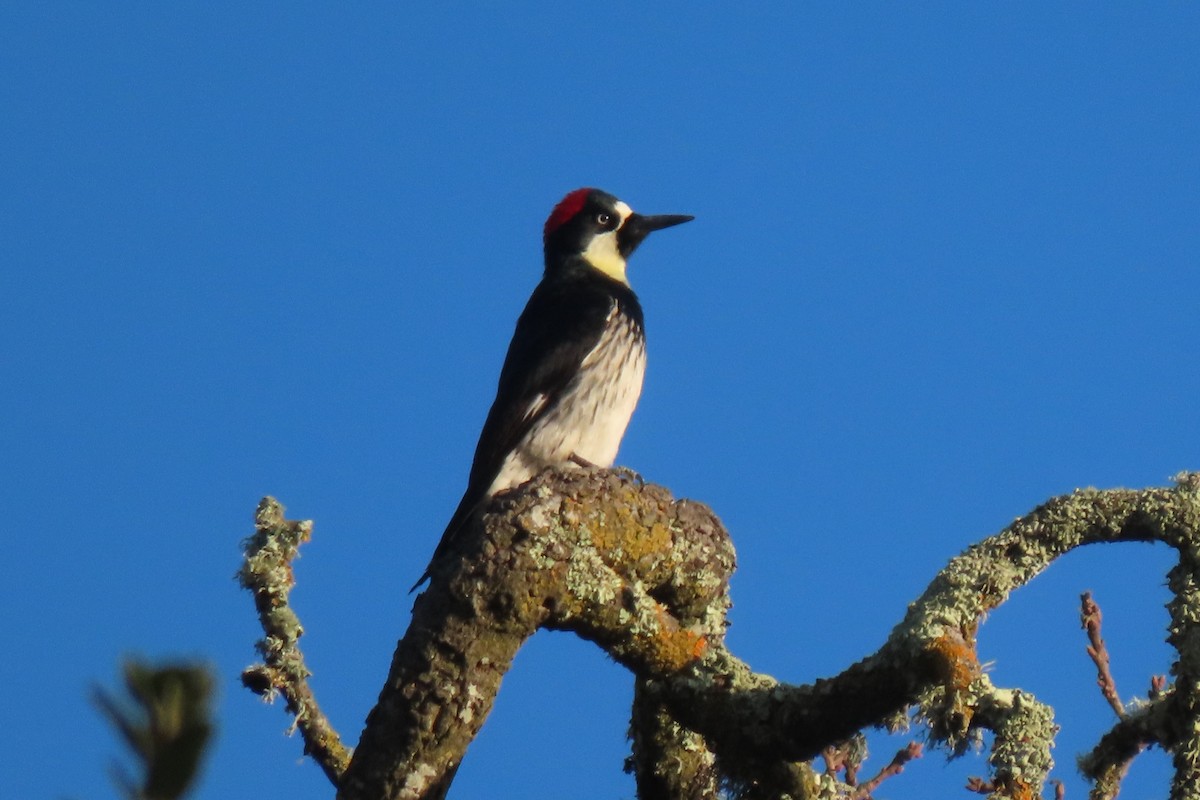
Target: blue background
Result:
[[943, 267]]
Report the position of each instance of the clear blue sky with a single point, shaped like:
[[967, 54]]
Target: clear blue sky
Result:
[[944, 266]]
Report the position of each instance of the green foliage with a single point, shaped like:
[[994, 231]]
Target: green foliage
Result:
[[167, 722]]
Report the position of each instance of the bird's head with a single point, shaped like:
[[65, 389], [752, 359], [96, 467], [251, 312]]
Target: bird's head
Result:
[[595, 228]]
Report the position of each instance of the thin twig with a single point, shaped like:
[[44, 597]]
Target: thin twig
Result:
[[845, 756], [267, 573], [902, 757], [980, 786], [1090, 619]]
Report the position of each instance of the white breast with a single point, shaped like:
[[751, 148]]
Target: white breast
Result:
[[589, 420]]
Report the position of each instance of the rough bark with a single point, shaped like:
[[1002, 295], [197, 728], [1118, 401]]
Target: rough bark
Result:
[[646, 578], [600, 555]]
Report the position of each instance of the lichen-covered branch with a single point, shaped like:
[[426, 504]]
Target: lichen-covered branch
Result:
[[600, 554], [646, 578], [267, 573], [930, 656], [668, 761], [1105, 766], [1184, 635]]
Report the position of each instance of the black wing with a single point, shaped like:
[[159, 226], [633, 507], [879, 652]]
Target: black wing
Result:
[[561, 323]]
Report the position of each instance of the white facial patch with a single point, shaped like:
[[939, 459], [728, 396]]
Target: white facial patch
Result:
[[602, 252]]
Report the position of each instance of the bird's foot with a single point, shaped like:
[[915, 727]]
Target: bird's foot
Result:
[[580, 461], [629, 475], [624, 472]]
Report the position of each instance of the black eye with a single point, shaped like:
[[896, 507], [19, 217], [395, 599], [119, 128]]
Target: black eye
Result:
[[603, 218]]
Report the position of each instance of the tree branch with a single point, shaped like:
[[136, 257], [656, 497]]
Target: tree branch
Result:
[[1106, 765], [646, 578], [1092, 621], [596, 553], [1183, 633], [669, 762], [895, 767], [267, 573]]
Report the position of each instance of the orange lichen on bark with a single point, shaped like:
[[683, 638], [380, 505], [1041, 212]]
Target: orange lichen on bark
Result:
[[1017, 789], [623, 532], [958, 666], [674, 650], [959, 660]]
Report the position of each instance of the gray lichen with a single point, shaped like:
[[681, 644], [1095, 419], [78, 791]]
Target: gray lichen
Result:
[[646, 577]]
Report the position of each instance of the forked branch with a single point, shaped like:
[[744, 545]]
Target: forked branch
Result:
[[646, 578]]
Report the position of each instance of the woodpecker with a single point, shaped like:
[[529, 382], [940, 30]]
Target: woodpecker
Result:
[[574, 368]]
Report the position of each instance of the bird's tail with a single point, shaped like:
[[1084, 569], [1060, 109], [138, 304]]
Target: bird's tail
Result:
[[468, 509]]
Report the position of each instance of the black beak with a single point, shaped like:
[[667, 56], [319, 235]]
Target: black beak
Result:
[[638, 227]]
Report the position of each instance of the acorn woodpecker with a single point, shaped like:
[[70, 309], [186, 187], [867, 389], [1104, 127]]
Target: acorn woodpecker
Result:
[[574, 368]]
